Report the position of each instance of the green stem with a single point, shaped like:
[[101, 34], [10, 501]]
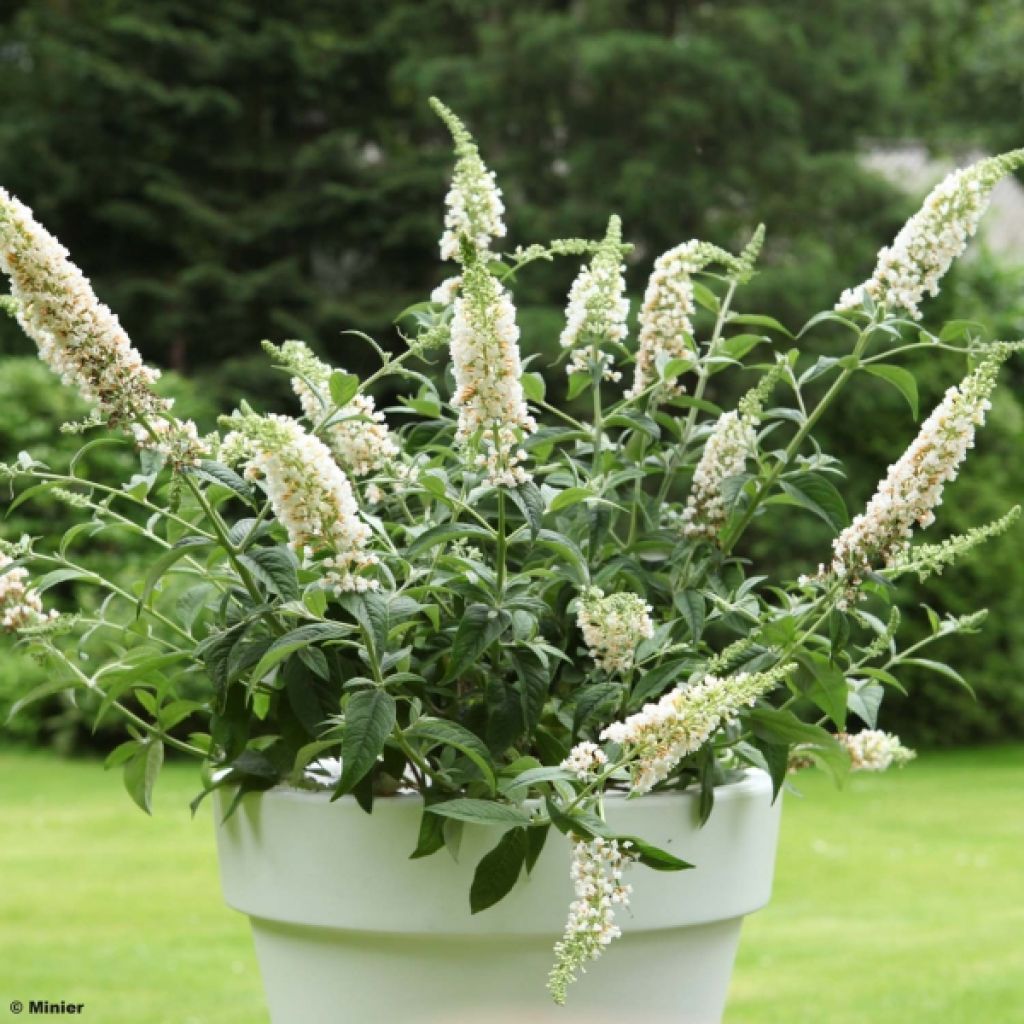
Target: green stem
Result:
[[219, 529], [502, 552], [703, 375], [152, 730], [732, 536]]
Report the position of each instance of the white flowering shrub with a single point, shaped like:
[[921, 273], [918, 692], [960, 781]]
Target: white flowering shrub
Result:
[[484, 594]]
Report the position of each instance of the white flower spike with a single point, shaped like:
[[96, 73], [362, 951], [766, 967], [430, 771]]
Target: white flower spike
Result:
[[912, 267]]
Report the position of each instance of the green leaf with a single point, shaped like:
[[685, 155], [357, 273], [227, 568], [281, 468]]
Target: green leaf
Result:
[[29, 493], [824, 684], [774, 725], [369, 718], [536, 838], [691, 607], [343, 387], [739, 345], [818, 495], [431, 835], [451, 734], [141, 771], [705, 297], [569, 497], [864, 702], [479, 628], [47, 689], [275, 568], [216, 473], [902, 380], [499, 870], [578, 383], [592, 701], [51, 579], [942, 670], [652, 856], [955, 330], [534, 387], [531, 503], [481, 812], [163, 562], [443, 534], [757, 320], [297, 639], [654, 682], [776, 757]]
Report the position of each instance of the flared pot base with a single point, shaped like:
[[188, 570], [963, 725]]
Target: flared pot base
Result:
[[323, 976]]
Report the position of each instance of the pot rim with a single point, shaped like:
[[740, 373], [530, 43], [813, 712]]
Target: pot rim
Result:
[[754, 780]]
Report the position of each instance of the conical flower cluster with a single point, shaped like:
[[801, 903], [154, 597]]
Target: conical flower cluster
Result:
[[474, 206], [872, 750], [357, 434], [932, 239], [80, 339], [493, 414], [597, 308], [20, 604], [612, 626], [310, 495], [666, 317], [729, 445], [660, 735], [914, 484]]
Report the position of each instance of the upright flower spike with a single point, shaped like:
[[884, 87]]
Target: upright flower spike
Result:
[[731, 442], [872, 750], [613, 626], [914, 484], [359, 439], [474, 206], [597, 308], [20, 605], [81, 340], [596, 872], [932, 239], [659, 736], [488, 392], [666, 317], [311, 497]]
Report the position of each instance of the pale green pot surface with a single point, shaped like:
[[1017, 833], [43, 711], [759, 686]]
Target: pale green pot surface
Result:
[[348, 929]]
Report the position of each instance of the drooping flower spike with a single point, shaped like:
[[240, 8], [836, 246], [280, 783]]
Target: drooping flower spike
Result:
[[925, 248], [310, 495], [81, 340], [596, 872], [493, 415], [597, 307], [914, 484], [358, 435], [474, 206]]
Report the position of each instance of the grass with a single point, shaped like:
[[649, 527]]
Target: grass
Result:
[[900, 899]]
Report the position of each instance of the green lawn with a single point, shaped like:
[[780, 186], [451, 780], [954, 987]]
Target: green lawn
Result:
[[899, 900]]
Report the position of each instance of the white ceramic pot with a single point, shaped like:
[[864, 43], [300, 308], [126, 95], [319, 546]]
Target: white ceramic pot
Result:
[[348, 930]]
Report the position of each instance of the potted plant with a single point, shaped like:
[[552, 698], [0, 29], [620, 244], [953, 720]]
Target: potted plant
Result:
[[483, 651]]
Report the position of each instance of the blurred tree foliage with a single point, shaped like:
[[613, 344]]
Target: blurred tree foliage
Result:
[[231, 170], [242, 169]]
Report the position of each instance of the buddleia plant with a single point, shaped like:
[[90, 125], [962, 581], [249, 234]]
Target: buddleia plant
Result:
[[518, 588]]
